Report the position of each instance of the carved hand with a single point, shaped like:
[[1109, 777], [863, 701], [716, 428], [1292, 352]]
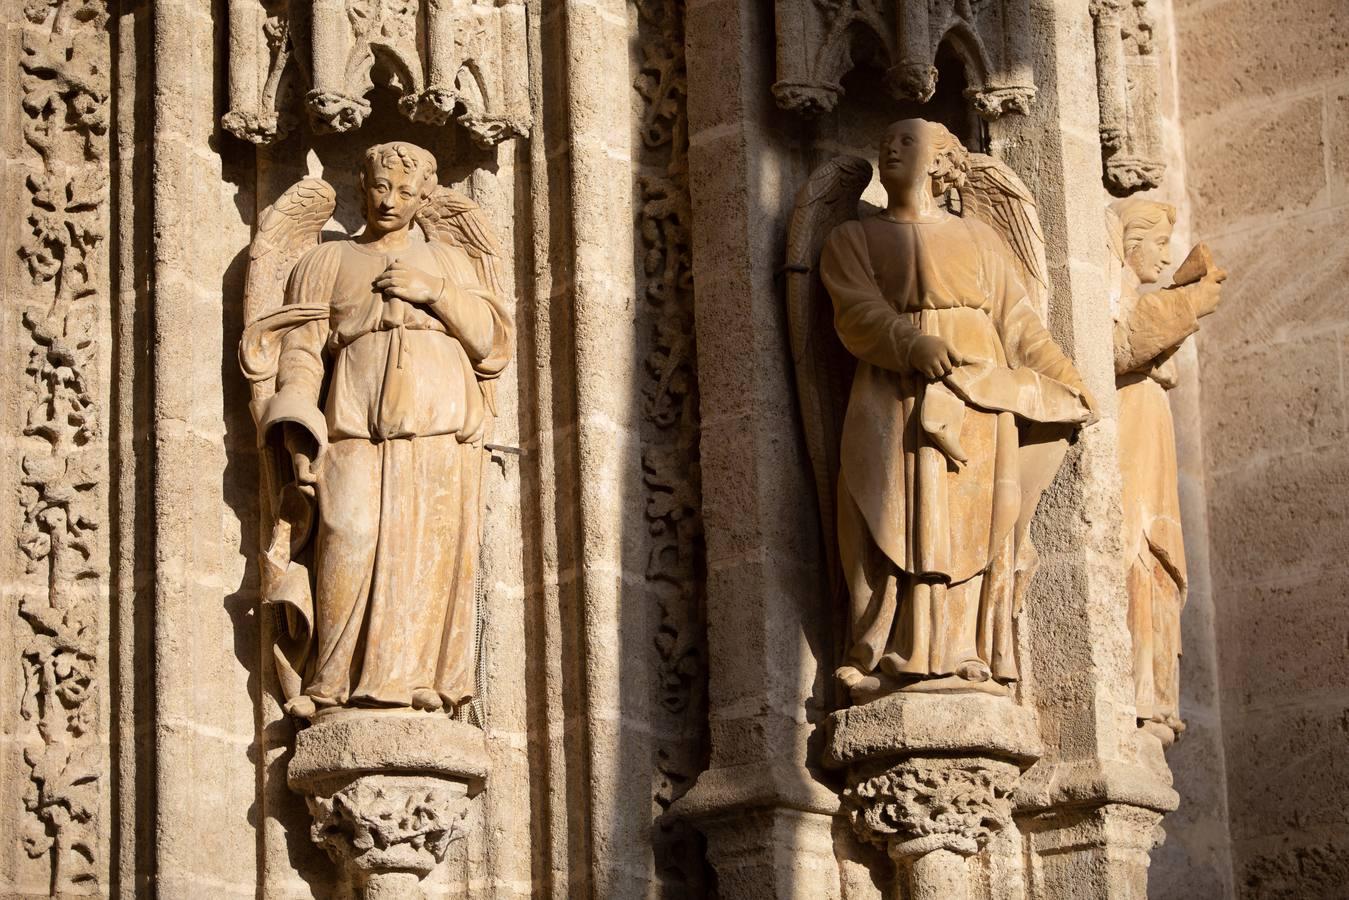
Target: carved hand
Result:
[[406, 283], [1207, 292], [301, 447], [933, 357]]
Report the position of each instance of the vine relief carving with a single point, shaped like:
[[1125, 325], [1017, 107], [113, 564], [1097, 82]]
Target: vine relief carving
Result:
[[820, 41], [1126, 84], [390, 822], [460, 61], [670, 431], [921, 805], [64, 72]]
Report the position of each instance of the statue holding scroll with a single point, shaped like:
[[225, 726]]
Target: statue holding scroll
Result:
[[936, 405], [1149, 328], [372, 363]]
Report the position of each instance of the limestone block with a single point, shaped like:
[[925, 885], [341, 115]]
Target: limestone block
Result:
[[1309, 790], [1287, 517], [1242, 162], [1215, 76], [1282, 278], [1280, 638]]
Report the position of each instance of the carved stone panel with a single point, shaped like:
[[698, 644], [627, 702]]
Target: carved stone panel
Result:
[[1126, 80], [61, 472], [821, 41], [446, 60]]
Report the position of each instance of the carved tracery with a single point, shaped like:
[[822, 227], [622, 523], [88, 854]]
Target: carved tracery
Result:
[[821, 41], [445, 60]]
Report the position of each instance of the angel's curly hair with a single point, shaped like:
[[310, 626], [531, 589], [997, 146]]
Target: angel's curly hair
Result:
[[410, 157], [950, 160]]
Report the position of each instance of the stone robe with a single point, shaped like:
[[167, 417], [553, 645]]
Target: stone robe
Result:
[[395, 397], [1148, 330], [930, 546]]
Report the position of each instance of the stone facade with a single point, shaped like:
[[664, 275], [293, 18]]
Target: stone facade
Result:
[[647, 703]]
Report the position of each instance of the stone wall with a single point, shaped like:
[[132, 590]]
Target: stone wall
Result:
[[1264, 108]]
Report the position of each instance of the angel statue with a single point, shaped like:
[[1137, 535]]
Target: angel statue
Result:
[[372, 363], [937, 407], [1149, 328]]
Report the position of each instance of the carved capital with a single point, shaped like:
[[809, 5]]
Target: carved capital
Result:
[[930, 803], [807, 99], [990, 103], [1129, 174], [388, 792], [382, 828]]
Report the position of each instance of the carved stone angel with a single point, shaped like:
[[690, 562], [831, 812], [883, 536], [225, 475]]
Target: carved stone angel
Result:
[[1149, 328], [372, 390], [958, 403]]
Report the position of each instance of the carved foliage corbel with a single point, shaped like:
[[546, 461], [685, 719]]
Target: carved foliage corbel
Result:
[[817, 41], [445, 61], [1126, 83]]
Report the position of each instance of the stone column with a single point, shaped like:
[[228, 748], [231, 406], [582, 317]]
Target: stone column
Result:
[[767, 819], [930, 779], [389, 792], [1090, 807]]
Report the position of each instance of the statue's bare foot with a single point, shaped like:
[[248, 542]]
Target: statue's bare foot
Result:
[[974, 670], [302, 707], [426, 700], [861, 686]]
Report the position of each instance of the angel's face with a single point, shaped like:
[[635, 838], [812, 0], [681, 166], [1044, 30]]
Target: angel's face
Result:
[[393, 196], [1151, 253], [906, 154]]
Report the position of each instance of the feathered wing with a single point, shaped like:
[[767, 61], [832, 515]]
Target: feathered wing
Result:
[[287, 229], [452, 218], [997, 196], [824, 368]]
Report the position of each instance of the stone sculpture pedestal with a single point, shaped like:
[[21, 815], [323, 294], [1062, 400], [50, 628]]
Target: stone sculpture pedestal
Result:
[[930, 779], [389, 791]]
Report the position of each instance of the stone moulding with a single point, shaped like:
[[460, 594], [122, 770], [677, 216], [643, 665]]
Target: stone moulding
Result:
[[388, 792], [64, 77], [1126, 84], [446, 61], [818, 43], [930, 778]]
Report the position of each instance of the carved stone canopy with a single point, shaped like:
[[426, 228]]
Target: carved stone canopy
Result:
[[819, 41], [1126, 82], [446, 61]]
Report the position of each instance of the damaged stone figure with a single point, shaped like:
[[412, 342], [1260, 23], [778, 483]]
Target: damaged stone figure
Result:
[[956, 417], [1149, 328]]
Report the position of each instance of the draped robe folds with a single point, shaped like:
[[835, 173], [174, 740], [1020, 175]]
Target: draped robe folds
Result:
[[394, 395], [1149, 328], [932, 548]]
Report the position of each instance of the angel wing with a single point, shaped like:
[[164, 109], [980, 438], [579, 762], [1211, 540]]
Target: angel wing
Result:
[[286, 229], [824, 369], [452, 218], [995, 194]]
